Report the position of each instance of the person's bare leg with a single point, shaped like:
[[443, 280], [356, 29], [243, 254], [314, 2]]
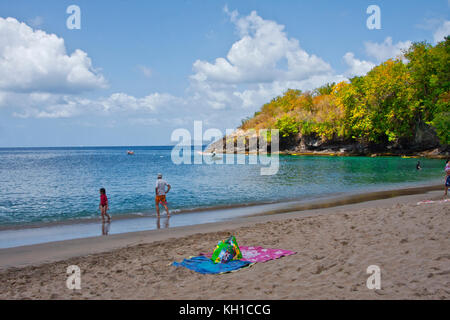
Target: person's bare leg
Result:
[[167, 209], [166, 224], [106, 214], [103, 214], [103, 228], [157, 208]]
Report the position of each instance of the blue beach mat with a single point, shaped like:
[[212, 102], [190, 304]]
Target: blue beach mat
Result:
[[205, 265]]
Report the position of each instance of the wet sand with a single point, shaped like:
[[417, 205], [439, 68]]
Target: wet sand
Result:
[[409, 242]]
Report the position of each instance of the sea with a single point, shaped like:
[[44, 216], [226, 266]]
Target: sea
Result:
[[50, 185]]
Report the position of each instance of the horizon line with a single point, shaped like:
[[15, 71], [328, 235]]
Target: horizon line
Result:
[[92, 146]]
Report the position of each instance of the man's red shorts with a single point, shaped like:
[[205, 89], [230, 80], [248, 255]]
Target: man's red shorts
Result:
[[161, 199]]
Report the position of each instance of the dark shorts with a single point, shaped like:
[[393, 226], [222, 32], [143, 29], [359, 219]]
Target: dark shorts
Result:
[[447, 181]]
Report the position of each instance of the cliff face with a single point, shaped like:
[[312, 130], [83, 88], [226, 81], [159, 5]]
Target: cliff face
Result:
[[423, 143], [239, 142]]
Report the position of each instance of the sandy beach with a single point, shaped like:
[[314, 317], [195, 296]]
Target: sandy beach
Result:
[[409, 242]]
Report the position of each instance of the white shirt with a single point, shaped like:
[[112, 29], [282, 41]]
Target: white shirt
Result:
[[161, 187]]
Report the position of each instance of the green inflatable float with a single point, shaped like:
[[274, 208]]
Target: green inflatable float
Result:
[[226, 250]]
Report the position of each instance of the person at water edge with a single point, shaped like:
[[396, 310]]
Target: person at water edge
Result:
[[447, 177], [103, 206], [105, 228], [166, 222], [160, 194], [418, 167]]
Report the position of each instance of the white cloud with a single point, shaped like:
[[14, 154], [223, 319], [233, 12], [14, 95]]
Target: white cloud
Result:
[[256, 57], [429, 23], [263, 92], [442, 31], [357, 67], [39, 79], [35, 61], [386, 50], [260, 65], [43, 105], [36, 21], [144, 121], [46, 105], [146, 71], [263, 63], [119, 102]]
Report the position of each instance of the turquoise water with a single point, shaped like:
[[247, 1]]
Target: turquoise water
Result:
[[59, 184]]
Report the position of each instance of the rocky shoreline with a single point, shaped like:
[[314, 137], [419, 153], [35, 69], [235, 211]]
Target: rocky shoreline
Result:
[[423, 145]]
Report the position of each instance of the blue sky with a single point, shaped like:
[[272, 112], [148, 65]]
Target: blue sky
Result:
[[137, 70]]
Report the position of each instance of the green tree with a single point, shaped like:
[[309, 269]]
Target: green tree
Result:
[[430, 73], [325, 89], [287, 125], [385, 107], [441, 123]]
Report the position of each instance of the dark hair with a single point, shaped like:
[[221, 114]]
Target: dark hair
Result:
[[102, 191]]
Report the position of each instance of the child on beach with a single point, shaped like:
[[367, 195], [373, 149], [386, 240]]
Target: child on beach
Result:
[[447, 177], [103, 206]]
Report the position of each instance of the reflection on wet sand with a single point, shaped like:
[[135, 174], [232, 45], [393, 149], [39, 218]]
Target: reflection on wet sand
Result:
[[166, 222], [105, 228]]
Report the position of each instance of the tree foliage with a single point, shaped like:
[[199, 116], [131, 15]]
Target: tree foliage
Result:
[[287, 126], [384, 105]]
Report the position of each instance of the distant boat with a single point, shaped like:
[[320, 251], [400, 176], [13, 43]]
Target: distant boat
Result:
[[130, 152]]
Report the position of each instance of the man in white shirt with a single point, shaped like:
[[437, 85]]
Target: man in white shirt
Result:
[[160, 192]]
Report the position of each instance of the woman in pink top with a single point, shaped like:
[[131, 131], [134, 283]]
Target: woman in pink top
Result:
[[103, 206]]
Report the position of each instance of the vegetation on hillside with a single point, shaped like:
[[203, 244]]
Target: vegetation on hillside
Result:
[[383, 106]]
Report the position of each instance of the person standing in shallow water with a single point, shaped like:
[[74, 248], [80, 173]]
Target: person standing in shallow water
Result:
[[160, 194], [103, 205]]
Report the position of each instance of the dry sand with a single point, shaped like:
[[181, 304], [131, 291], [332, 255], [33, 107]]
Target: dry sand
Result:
[[409, 242]]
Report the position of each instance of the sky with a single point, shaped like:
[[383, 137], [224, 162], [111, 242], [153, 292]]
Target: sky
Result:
[[137, 70]]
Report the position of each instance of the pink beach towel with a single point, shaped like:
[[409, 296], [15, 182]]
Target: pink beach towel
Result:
[[432, 201], [259, 254]]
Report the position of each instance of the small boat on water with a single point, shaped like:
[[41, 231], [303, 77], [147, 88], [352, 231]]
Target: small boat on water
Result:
[[129, 152]]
